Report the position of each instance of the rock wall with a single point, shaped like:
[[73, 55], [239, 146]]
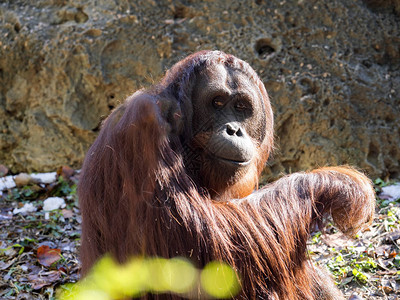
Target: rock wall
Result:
[[332, 69]]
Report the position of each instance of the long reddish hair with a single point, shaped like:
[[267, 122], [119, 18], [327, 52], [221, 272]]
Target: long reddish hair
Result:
[[137, 198]]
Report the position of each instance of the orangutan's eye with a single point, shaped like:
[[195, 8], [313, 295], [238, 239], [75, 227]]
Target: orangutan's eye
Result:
[[241, 106], [217, 102]]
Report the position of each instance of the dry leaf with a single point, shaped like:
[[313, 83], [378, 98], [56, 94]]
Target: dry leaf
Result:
[[44, 279], [5, 265], [337, 240], [67, 213], [47, 256], [66, 172]]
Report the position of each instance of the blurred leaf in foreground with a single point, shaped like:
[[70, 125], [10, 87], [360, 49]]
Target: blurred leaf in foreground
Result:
[[109, 280]]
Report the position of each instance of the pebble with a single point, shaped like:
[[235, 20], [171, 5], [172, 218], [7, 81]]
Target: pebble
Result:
[[45, 177], [53, 203], [22, 179], [27, 208], [7, 182], [11, 181]]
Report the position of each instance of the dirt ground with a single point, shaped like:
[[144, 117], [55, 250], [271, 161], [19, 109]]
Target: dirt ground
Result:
[[39, 248]]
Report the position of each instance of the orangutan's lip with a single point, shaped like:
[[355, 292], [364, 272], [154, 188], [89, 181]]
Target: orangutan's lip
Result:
[[240, 163]]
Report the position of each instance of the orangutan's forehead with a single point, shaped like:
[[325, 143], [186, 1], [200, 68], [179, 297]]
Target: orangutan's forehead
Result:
[[220, 76]]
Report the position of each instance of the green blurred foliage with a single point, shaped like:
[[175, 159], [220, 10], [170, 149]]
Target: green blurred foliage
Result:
[[109, 280]]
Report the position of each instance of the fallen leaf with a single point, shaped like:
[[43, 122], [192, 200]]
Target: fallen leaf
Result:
[[5, 216], [337, 240], [68, 246], [391, 192], [392, 236], [355, 297], [346, 280], [384, 263], [67, 213], [388, 285], [40, 280], [387, 289], [5, 265], [388, 272], [383, 250], [47, 256], [9, 251], [66, 172], [23, 296]]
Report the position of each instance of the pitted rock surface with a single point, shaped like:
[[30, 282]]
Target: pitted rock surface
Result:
[[332, 69]]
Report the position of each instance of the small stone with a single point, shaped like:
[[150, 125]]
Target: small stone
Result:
[[53, 203], [7, 183], [27, 208], [45, 177], [3, 170], [22, 179]]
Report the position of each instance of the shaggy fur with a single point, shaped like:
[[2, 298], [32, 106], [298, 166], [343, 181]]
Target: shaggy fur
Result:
[[139, 197]]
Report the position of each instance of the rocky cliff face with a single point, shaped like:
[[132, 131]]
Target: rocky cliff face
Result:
[[332, 69]]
